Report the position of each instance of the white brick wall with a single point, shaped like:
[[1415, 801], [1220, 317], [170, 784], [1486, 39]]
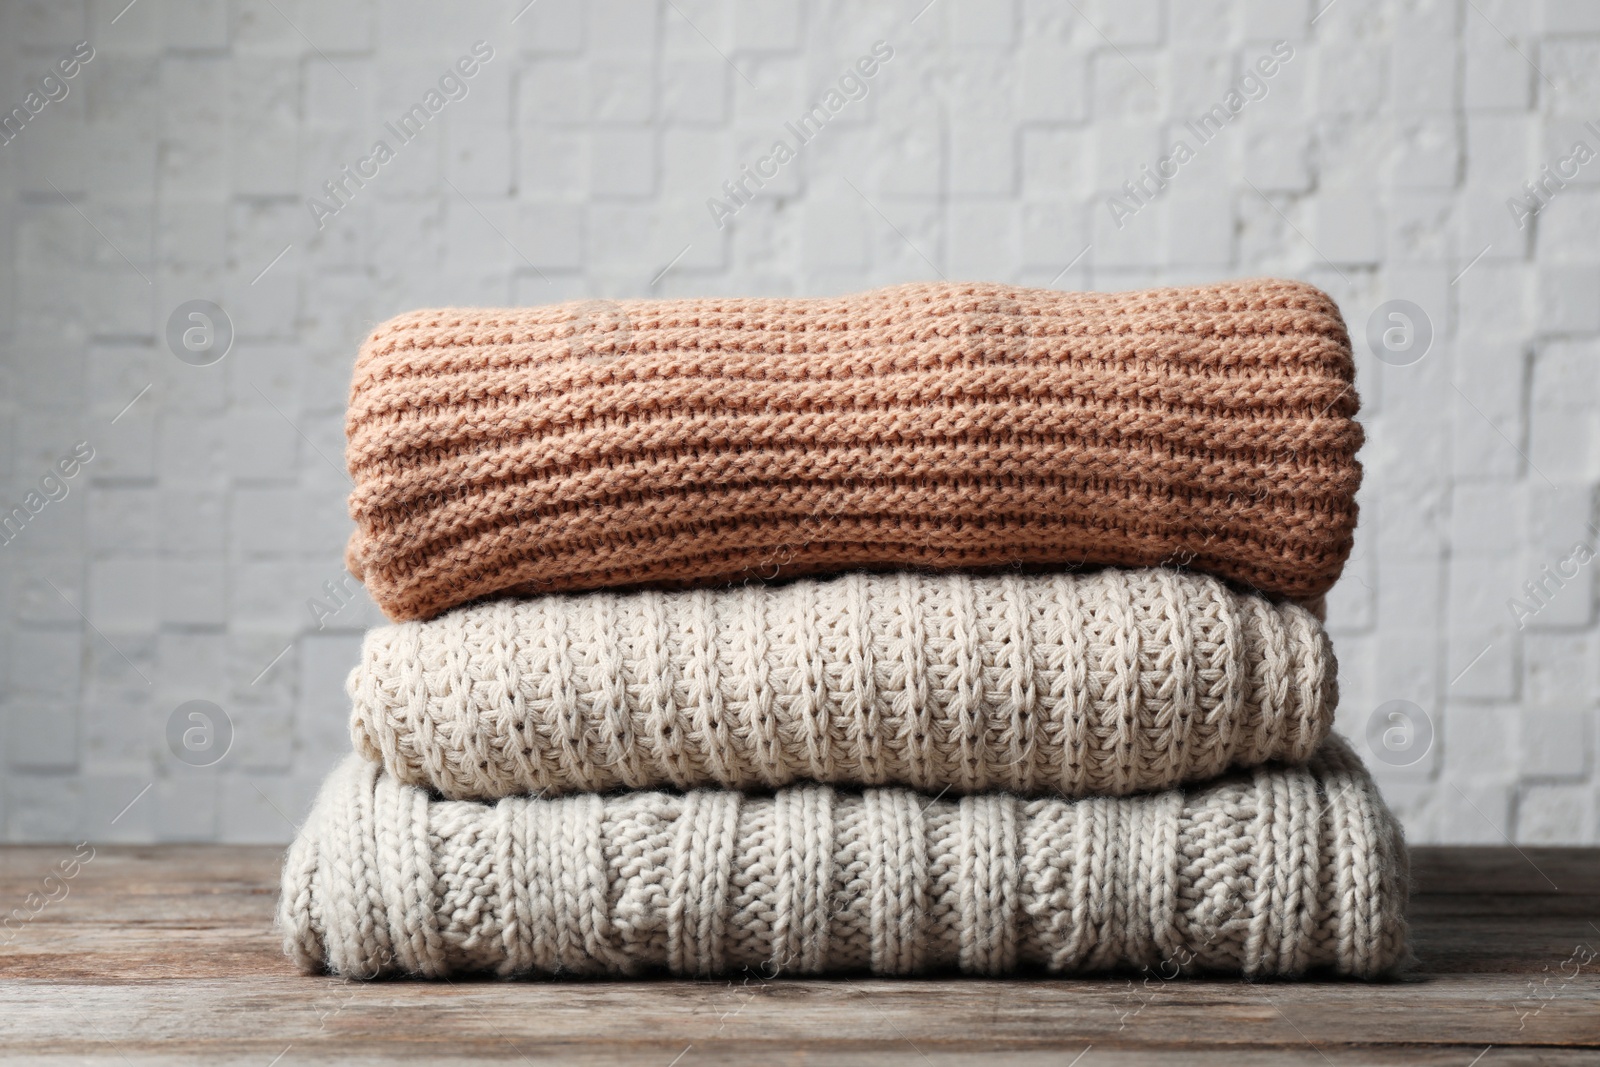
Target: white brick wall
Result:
[[180, 564]]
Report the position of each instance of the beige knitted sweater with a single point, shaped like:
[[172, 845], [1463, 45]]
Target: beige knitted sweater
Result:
[[1271, 872], [944, 426], [1102, 683]]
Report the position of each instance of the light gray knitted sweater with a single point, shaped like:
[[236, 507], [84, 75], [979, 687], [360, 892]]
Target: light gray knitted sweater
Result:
[[1090, 684], [1269, 872]]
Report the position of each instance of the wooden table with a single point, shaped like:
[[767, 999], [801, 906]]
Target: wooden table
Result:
[[164, 954]]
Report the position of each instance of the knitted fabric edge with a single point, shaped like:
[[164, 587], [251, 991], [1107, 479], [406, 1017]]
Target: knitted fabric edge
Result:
[[1275, 872]]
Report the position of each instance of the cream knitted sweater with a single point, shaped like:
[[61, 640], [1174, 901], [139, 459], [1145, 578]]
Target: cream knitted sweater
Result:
[[1103, 683], [1269, 872]]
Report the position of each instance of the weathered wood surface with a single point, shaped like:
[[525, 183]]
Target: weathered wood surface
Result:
[[163, 954]]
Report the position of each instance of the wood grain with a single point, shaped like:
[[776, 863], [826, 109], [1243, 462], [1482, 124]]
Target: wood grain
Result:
[[166, 954]]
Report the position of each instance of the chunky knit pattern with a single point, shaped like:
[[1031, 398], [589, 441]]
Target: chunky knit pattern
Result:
[[1101, 683], [1271, 872], [584, 446]]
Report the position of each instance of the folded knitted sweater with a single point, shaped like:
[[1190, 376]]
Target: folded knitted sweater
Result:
[[1270, 872], [689, 442], [1100, 683]]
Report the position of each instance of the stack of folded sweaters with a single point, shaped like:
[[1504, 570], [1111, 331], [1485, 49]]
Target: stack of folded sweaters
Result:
[[937, 627]]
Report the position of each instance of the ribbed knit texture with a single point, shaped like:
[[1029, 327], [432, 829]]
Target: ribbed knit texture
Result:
[[584, 446], [1101, 683], [1271, 872]]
